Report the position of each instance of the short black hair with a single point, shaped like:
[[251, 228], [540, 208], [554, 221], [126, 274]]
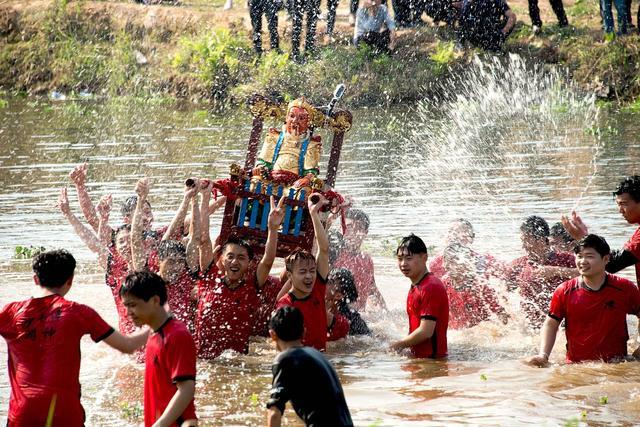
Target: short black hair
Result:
[[595, 242], [144, 285], [346, 283], [234, 240], [126, 227], [288, 323], [359, 216], [558, 230], [535, 226], [412, 244], [336, 245], [168, 248], [129, 205], [631, 186], [466, 223], [53, 268]]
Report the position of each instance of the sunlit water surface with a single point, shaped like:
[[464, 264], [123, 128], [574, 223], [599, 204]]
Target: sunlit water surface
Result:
[[517, 141]]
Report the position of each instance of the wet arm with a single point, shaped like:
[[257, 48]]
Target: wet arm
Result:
[[619, 260], [175, 228], [274, 417], [206, 247], [127, 343], [194, 236], [322, 258], [138, 254], [422, 333], [178, 403], [79, 176], [511, 22], [276, 215], [547, 340]]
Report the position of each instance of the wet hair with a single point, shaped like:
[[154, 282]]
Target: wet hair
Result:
[[455, 251], [594, 242], [53, 268], [412, 244], [288, 323], [359, 216], [168, 248], [346, 283], [336, 245], [631, 186], [129, 205], [233, 240], [144, 285], [126, 227], [558, 230], [296, 256], [535, 226], [466, 223]]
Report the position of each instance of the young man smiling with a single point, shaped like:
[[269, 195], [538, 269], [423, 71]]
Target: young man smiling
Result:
[[595, 306], [427, 303]]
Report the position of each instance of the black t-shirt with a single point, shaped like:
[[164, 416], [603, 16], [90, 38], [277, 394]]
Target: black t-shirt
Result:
[[303, 376], [357, 325], [481, 22]]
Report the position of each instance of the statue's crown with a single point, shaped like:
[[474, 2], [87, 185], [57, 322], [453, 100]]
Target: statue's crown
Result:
[[302, 103]]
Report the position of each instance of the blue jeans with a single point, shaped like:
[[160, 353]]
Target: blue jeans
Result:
[[607, 15]]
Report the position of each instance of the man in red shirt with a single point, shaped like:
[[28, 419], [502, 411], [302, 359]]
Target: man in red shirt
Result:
[[308, 280], [230, 289], [627, 196], [359, 263], [427, 303], [537, 274], [43, 338], [471, 300], [595, 306], [170, 353]]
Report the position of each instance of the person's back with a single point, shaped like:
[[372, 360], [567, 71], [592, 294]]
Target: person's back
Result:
[[481, 23], [43, 338], [312, 386]]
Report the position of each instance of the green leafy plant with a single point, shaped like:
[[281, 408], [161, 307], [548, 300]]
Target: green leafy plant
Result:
[[26, 252]]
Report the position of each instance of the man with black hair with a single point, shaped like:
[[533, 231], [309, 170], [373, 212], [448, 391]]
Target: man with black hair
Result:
[[537, 274], [595, 307], [427, 302], [43, 338], [627, 197], [560, 240], [342, 320], [303, 376], [170, 353]]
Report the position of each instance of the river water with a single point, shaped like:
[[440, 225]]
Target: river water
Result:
[[515, 141]]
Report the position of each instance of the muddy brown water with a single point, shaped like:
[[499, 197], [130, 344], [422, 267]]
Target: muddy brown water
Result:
[[403, 185]]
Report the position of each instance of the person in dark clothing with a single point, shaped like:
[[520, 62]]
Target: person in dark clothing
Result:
[[407, 13], [558, 9], [484, 23], [303, 376], [268, 8], [298, 9], [341, 292]]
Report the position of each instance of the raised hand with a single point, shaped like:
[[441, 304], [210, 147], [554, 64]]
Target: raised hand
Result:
[[314, 208], [63, 202], [276, 215], [192, 190], [574, 225], [79, 174], [142, 187], [104, 206]]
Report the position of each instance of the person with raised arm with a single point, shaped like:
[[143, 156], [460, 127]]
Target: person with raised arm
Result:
[[627, 197], [594, 306]]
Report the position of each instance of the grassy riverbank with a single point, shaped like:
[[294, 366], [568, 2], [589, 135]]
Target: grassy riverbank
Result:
[[198, 52]]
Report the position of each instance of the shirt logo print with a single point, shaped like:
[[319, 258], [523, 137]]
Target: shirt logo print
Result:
[[610, 305]]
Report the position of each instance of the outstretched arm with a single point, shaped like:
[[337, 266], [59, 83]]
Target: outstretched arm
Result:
[[322, 241], [574, 225], [276, 216], [85, 233], [206, 246], [547, 340], [79, 177], [138, 251], [127, 343], [174, 232], [193, 244]]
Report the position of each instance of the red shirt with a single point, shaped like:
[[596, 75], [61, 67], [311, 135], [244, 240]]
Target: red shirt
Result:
[[596, 321], [179, 297], [470, 305], [170, 357], [117, 271], [313, 312], [535, 292], [268, 297], [486, 265], [428, 300], [361, 266], [225, 317], [339, 328], [633, 246], [43, 339]]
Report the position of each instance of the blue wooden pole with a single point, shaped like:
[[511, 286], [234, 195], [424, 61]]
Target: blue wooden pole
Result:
[[287, 213], [243, 205], [298, 223], [254, 206], [266, 208]]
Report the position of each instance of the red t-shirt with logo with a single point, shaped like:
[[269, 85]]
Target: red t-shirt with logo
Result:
[[179, 297], [313, 312], [170, 357], [470, 305], [361, 266], [43, 339], [536, 292], [596, 321], [117, 271], [633, 246], [428, 300], [225, 317]]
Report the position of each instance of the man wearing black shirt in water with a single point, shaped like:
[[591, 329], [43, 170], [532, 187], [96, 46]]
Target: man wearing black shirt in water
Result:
[[303, 376]]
